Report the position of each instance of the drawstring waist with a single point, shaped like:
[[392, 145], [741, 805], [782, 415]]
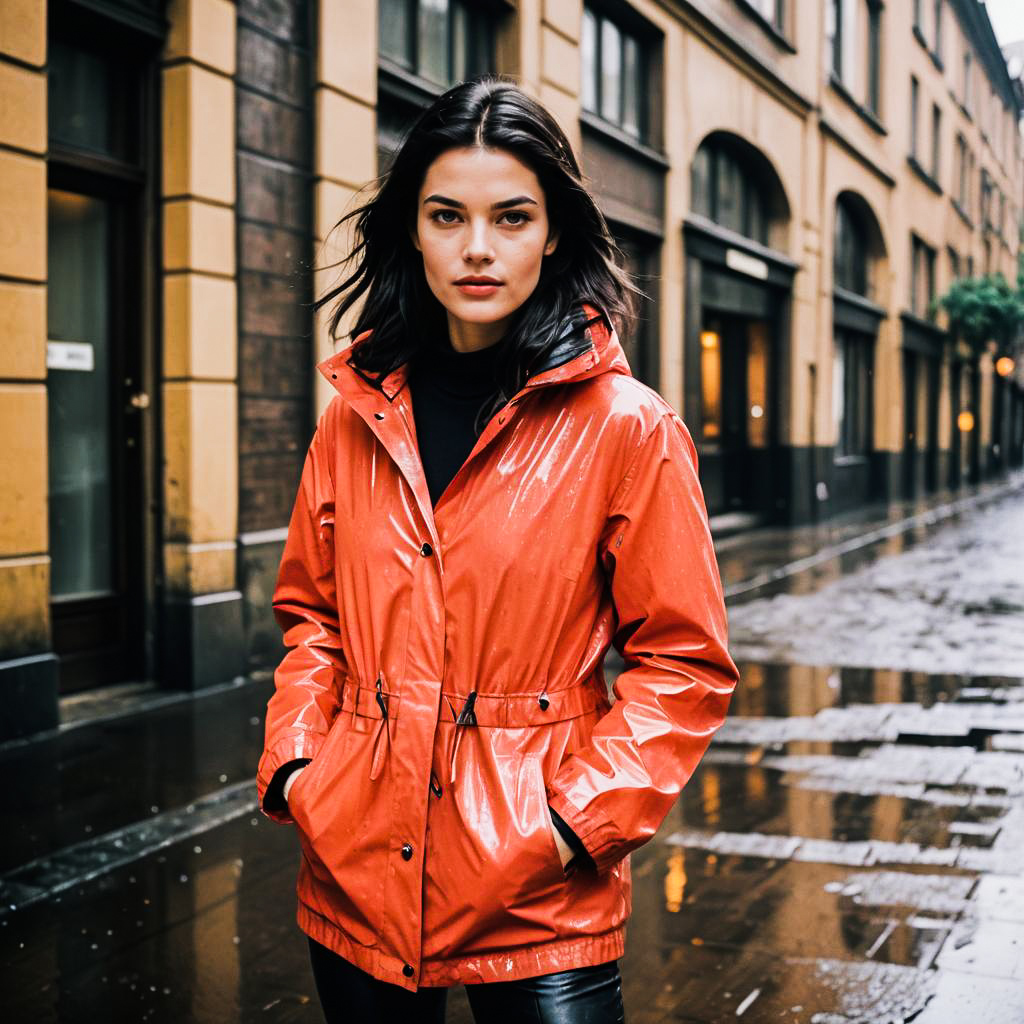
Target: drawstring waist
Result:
[[488, 710], [477, 710]]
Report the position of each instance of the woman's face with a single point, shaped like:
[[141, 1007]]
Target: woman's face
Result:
[[481, 216]]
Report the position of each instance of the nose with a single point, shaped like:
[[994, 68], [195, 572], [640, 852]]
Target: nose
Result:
[[478, 247]]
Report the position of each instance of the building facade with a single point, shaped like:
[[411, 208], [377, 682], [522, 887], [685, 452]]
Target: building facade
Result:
[[792, 183]]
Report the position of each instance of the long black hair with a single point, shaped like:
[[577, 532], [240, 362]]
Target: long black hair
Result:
[[399, 307]]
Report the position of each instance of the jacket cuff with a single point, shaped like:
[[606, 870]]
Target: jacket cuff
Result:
[[601, 839], [300, 746], [573, 841], [273, 800]]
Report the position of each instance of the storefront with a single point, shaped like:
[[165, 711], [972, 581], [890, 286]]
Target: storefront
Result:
[[738, 290], [737, 323]]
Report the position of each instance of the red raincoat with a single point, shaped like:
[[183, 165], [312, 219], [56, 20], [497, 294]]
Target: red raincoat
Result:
[[444, 670]]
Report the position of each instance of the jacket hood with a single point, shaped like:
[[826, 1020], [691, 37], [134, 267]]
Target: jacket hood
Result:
[[587, 346]]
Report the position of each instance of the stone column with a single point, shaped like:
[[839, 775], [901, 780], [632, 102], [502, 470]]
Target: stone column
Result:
[[28, 667], [202, 636], [345, 143]]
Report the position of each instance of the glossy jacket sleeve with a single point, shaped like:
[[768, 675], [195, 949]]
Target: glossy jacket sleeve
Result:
[[307, 693], [672, 633]]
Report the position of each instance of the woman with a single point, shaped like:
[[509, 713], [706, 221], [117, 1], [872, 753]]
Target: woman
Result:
[[488, 503]]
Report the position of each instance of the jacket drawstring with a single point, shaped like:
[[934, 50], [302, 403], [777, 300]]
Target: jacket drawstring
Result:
[[380, 749], [467, 716]]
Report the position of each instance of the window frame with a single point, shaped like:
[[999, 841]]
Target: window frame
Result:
[[919, 246], [873, 92], [960, 169], [836, 56], [479, 14], [714, 152], [851, 274], [644, 63], [915, 108]]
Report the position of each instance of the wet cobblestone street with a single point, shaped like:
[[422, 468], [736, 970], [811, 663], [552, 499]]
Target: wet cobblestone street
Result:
[[850, 850]]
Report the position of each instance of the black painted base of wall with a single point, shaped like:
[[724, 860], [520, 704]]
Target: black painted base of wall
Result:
[[28, 695], [810, 486], [203, 641], [258, 564]]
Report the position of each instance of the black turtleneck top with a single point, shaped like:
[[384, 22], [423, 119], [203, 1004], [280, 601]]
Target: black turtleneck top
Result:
[[449, 389]]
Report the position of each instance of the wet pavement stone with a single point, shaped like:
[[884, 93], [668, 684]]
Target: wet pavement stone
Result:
[[953, 603], [850, 850]]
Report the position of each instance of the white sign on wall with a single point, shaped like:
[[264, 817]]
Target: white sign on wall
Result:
[[69, 355], [743, 263]]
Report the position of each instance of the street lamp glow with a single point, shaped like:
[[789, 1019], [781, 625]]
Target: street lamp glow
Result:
[[965, 421], [1004, 366], [709, 339]]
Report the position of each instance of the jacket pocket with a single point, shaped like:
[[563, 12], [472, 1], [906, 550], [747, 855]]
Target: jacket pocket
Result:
[[549, 861], [516, 833], [311, 781]]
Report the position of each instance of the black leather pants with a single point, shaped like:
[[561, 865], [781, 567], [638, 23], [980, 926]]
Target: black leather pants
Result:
[[586, 995]]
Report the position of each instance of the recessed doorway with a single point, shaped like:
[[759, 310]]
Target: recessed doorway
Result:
[[737, 410]]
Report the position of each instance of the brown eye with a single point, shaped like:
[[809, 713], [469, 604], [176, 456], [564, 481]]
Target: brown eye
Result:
[[522, 218]]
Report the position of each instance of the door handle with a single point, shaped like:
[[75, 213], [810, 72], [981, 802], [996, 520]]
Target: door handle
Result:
[[140, 400]]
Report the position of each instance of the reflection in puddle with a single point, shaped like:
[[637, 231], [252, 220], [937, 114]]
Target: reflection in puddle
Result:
[[839, 852]]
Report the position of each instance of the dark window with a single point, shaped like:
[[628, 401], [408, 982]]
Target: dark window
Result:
[[443, 41], [969, 202], [93, 102], [936, 140], [986, 199], [873, 96], [918, 15], [937, 41], [914, 104], [834, 33], [954, 263], [853, 371], [726, 190], [853, 45], [850, 259], [967, 80], [922, 278], [960, 170], [614, 69]]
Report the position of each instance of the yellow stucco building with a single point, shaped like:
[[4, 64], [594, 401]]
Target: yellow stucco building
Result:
[[792, 181]]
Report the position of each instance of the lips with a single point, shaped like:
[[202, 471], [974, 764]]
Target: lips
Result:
[[478, 280]]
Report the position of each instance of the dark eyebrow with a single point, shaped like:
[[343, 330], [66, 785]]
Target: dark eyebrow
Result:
[[503, 205]]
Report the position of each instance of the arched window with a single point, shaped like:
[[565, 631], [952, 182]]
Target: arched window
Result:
[[726, 190], [850, 256]]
